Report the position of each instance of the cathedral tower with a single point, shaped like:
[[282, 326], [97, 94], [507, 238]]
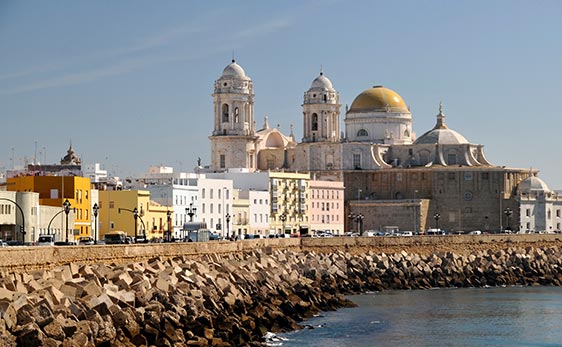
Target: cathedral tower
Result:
[[233, 138], [321, 112]]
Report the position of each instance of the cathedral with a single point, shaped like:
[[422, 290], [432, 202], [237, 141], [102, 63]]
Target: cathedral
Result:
[[393, 179]]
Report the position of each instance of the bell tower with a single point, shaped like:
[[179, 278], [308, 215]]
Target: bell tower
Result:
[[321, 112], [233, 137]]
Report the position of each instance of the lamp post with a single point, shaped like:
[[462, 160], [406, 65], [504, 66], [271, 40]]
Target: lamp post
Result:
[[135, 212], [508, 212], [135, 216], [359, 220], [169, 233], [95, 210], [283, 218], [190, 211], [437, 216], [415, 211], [227, 218], [66, 206]]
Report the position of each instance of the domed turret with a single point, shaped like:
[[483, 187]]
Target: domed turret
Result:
[[532, 184], [441, 134], [234, 70], [322, 83]]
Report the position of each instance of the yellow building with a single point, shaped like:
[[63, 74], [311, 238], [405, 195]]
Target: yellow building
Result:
[[117, 213], [289, 196], [54, 190]]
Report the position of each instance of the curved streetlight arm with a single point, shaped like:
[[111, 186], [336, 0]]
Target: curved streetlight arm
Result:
[[51, 221], [137, 214], [22, 216]]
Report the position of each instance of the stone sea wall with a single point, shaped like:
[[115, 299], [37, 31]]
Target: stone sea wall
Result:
[[232, 298]]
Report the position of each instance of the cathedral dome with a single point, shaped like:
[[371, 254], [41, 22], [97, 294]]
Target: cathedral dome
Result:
[[234, 70], [532, 184], [441, 134], [379, 99], [322, 82]]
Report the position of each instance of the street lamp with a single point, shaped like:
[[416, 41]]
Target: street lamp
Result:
[[135, 216], [95, 209], [283, 218], [66, 206], [190, 211], [227, 218], [168, 235], [437, 216], [359, 220], [508, 212]]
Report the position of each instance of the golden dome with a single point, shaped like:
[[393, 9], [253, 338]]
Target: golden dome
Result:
[[379, 99]]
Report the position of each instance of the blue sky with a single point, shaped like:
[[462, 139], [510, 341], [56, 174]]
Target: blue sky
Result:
[[130, 82]]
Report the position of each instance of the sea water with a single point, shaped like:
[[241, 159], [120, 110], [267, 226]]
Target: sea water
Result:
[[510, 316]]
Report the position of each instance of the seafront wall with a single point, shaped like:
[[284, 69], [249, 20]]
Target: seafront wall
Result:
[[22, 258], [231, 294]]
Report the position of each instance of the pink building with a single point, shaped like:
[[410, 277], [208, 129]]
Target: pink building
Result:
[[326, 211]]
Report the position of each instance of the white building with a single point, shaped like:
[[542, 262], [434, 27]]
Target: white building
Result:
[[539, 207], [39, 219], [191, 197]]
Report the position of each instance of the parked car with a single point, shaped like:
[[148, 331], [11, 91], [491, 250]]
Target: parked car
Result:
[[2, 243], [46, 240], [86, 240]]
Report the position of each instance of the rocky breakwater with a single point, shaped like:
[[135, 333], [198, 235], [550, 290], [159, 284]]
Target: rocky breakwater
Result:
[[233, 299], [226, 300]]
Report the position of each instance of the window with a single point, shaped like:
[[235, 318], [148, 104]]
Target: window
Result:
[[203, 193], [357, 160], [528, 212], [202, 208], [557, 213], [211, 193], [451, 176], [211, 208], [362, 133], [236, 115], [222, 161], [452, 159], [468, 176], [225, 113], [485, 175], [314, 122]]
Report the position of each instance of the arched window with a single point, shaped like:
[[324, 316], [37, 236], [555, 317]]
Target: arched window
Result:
[[225, 113], [314, 122], [236, 115], [362, 132]]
